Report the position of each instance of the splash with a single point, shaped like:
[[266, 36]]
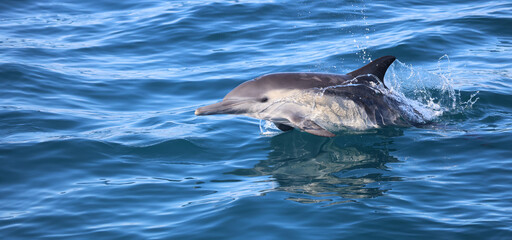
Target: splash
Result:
[[268, 129], [424, 96], [432, 93]]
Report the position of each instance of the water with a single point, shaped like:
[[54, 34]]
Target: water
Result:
[[98, 137]]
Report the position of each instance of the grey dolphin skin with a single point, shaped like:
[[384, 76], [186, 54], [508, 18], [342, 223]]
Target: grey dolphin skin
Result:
[[317, 103]]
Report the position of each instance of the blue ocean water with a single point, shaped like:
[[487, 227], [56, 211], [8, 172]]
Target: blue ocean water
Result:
[[98, 137]]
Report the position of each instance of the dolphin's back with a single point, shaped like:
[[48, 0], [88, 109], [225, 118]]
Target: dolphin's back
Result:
[[275, 81], [372, 72]]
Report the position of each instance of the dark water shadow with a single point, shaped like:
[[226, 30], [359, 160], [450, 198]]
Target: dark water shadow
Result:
[[316, 169]]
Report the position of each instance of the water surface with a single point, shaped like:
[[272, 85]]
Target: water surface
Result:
[[98, 137]]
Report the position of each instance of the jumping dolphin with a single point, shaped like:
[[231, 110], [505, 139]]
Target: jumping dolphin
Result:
[[319, 103]]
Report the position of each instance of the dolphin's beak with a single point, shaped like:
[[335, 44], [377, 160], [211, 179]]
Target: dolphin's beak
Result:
[[224, 107]]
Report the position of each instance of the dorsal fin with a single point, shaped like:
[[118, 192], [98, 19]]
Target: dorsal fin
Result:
[[377, 67]]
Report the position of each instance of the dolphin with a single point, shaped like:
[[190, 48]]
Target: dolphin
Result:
[[320, 103]]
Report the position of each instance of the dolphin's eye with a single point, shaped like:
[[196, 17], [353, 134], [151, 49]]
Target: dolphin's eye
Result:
[[264, 99]]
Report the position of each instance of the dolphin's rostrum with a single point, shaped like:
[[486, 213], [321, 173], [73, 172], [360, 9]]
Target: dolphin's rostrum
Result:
[[319, 103]]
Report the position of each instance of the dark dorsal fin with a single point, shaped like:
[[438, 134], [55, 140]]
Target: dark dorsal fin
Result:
[[377, 67]]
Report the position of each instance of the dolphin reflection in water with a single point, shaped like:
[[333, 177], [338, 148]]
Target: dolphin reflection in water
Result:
[[320, 170]]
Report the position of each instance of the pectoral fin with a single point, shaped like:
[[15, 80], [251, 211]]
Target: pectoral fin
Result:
[[283, 127], [310, 126]]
